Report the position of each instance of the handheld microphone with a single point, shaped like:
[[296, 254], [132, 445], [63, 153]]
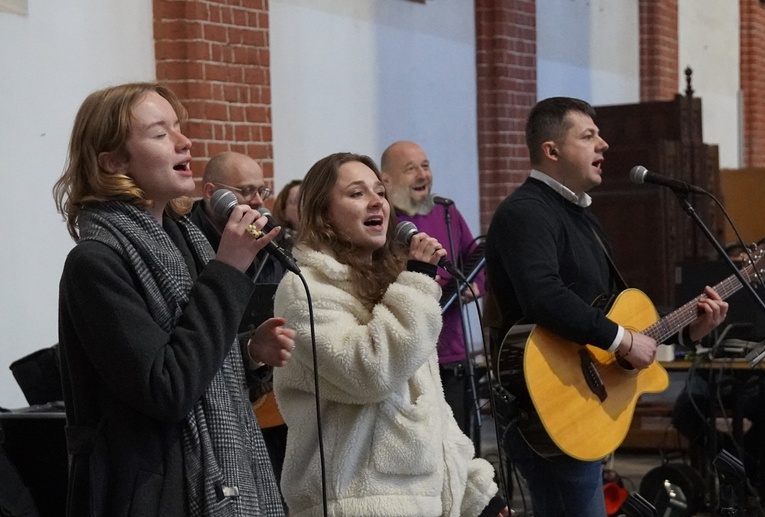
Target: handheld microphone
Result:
[[443, 201], [405, 230], [223, 202], [271, 224], [640, 175]]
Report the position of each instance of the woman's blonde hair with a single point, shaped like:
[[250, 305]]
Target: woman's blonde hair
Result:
[[103, 124], [317, 232]]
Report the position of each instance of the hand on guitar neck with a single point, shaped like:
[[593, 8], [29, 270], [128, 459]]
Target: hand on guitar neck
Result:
[[712, 312]]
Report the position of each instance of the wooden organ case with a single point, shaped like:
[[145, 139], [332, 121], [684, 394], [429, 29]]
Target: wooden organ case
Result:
[[650, 232]]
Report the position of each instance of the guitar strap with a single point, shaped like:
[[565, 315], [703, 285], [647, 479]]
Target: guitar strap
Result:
[[621, 284]]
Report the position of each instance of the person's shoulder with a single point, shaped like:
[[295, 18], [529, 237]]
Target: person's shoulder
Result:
[[90, 263], [317, 262], [531, 192], [196, 213], [91, 255], [528, 206], [90, 251], [519, 195]]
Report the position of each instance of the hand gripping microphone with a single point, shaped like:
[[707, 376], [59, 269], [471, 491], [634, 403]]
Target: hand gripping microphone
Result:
[[405, 230], [223, 202], [640, 175]]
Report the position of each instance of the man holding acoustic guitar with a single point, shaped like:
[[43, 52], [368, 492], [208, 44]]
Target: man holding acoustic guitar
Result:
[[548, 263]]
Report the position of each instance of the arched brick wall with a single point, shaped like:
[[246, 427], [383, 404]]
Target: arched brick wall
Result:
[[658, 50], [506, 70], [215, 56], [752, 59]]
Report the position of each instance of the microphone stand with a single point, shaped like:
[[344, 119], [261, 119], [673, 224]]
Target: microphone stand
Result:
[[470, 370], [685, 204], [729, 507]]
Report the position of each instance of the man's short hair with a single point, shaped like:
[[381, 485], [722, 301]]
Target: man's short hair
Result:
[[547, 121]]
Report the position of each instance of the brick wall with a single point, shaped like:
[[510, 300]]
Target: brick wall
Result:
[[215, 56], [658, 50], [752, 63], [507, 89]]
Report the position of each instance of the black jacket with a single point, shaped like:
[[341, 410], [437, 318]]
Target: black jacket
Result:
[[127, 383]]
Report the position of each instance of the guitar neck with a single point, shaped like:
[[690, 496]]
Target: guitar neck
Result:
[[676, 320]]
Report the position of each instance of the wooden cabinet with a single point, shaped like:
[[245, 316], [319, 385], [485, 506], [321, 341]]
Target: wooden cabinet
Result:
[[648, 229]]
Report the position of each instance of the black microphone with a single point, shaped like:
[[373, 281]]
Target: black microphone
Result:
[[443, 201], [640, 175], [271, 224], [405, 230], [223, 202]]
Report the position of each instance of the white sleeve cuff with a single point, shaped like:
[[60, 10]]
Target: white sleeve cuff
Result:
[[617, 339]]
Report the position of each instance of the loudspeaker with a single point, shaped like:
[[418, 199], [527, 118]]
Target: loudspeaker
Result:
[[36, 445], [39, 376], [674, 489], [743, 312]]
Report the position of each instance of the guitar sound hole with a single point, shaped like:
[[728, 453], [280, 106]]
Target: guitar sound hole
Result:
[[625, 364]]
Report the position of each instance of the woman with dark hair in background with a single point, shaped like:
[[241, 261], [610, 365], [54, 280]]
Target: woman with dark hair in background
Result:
[[286, 212], [392, 445], [158, 420]]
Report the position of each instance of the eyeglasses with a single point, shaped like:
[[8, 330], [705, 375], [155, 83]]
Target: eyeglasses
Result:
[[249, 191]]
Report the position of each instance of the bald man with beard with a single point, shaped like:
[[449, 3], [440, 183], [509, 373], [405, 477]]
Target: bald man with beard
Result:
[[408, 180]]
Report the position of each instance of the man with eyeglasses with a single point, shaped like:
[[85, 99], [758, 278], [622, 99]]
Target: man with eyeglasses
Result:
[[244, 177]]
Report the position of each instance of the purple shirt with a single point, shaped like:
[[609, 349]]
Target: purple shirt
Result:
[[451, 344]]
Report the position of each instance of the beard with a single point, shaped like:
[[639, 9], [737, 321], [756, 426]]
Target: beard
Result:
[[403, 202]]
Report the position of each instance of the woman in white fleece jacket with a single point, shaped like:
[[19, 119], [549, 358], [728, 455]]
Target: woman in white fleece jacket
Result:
[[392, 447]]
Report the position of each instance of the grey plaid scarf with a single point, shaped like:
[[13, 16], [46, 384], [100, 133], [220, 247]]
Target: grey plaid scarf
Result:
[[227, 468]]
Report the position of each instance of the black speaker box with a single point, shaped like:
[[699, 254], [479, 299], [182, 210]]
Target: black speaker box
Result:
[[747, 318], [35, 443]]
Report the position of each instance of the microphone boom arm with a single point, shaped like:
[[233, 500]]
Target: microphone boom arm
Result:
[[683, 198]]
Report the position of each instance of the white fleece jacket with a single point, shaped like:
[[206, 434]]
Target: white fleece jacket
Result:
[[392, 447]]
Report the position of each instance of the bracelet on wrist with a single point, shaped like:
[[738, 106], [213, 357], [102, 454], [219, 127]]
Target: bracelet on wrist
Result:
[[632, 342]]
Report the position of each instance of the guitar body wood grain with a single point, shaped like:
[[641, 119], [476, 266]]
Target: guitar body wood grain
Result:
[[577, 421]]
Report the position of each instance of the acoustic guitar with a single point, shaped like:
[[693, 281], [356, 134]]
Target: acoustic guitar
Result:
[[585, 397]]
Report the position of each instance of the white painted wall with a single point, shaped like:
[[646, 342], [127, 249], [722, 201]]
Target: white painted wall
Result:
[[51, 59], [594, 55], [360, 75], [357, 76], [346, 75], [709, 42]]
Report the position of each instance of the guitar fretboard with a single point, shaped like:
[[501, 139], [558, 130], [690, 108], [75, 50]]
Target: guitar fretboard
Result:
[[671, 323]]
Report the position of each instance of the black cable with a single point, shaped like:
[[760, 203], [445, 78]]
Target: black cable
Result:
[[470, 362], [318, 398], [493, 406], [746, 248]]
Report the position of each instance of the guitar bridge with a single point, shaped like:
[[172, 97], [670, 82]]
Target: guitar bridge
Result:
[[591, 375]]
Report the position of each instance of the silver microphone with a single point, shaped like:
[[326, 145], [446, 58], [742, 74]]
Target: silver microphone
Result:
[[223, 202], [640, 175], [405, 230]]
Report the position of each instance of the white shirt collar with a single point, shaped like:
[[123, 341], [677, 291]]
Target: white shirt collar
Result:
[[584, 200]]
